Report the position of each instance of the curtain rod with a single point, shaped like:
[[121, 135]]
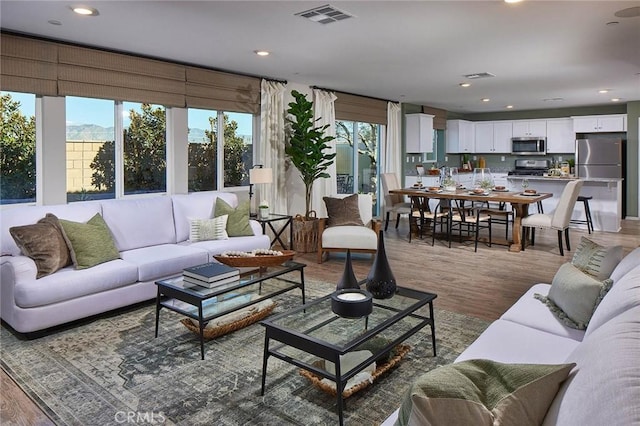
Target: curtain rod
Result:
[[352, 94], [275, 80]]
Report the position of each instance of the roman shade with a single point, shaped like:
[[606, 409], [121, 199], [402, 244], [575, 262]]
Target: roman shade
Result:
[[439, 117], [360, 108], [222, 91], [28, 65]]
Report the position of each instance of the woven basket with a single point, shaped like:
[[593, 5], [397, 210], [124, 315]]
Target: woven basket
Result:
[[401, 351], [213, 332], [256, 261], [305, 234]]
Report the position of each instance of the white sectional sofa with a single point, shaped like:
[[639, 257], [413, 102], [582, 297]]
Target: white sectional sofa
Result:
[[604, 387], [151, 235]]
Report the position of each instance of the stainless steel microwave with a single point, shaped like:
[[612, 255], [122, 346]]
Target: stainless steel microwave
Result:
[[528, 146]]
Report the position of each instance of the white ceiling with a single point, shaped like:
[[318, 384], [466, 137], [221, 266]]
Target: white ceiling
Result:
[[408, 51]]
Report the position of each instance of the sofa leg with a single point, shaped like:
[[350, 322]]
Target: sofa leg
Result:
[[560, 242]]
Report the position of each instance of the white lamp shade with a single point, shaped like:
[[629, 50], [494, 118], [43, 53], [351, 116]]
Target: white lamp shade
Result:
[[260, 175]]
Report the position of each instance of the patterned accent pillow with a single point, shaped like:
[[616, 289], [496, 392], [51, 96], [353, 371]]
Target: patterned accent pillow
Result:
[[238, 223], [44, 243], [208, 229], [343, 211], [574, 296], [596, 260], [90, 243], [483, 392]]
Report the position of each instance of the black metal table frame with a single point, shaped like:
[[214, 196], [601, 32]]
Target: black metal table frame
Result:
[[332, 353], [196, 300], [275, 217]]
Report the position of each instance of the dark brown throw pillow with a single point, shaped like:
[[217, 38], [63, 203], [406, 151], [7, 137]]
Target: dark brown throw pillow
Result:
[[43, 242], [343, 211]]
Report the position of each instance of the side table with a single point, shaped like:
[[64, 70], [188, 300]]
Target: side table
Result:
[[274, 217]]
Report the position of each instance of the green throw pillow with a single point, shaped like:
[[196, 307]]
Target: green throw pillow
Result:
[[238, 222], [90, 243], [483, 392], [574, 296], [596, 260]]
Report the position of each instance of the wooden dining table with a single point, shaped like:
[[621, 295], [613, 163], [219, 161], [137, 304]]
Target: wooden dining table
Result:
[[519, 202]]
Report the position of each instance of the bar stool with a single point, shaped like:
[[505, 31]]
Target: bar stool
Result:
[[587, 213]]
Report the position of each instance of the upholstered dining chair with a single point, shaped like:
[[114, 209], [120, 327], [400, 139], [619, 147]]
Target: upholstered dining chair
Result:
[[559, 219], [349, 225], [393, 203]]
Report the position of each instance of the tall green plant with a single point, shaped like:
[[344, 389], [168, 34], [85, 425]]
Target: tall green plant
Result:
[[307, 144]]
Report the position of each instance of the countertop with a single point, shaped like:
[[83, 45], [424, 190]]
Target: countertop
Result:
[[564, 179]]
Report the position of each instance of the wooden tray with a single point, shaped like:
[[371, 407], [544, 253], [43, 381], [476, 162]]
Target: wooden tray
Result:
[[259, 260]]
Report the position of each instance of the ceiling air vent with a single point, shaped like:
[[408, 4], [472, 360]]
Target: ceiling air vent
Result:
[[479, 75], [325, 14]]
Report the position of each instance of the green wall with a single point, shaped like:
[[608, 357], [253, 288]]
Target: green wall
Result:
[[633, 146]]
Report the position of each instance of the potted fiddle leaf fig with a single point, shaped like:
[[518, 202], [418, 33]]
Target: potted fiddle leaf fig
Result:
[[306, 147]]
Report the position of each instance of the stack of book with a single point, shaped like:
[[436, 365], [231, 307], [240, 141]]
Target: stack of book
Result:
[[210, 274]]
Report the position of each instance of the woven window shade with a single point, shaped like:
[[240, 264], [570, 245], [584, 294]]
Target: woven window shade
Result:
[[28, 65], [98, 74], [439, 117], [359, 108], [222, 91]]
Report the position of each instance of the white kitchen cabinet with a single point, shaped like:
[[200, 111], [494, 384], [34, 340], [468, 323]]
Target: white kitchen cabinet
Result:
[[599, 123], [561, 138], [526, 128], [483, 131], [460, 137], [493, 137], [419, 133]]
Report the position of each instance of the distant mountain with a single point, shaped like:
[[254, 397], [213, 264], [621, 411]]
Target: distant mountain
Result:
[[90, 132]]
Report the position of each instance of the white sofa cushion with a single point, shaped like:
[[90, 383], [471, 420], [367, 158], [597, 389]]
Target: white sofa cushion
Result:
[[69, 283], [215, 247], [624, 295], [532, 313], [628, 263], [140, 222], [25, 215], [604, 388], [509, 342], [353, 237], [164, 260], [197, 205]]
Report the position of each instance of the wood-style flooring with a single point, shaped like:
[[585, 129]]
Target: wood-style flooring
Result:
[[482, 284]]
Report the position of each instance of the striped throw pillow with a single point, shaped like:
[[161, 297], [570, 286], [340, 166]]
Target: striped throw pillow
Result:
[[208, 229], [596, 260]]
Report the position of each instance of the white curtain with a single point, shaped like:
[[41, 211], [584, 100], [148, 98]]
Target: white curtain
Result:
[[392, 148], [271, 148], [324, 113]]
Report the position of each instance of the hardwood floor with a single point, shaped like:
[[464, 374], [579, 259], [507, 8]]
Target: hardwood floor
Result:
[[482, 284]]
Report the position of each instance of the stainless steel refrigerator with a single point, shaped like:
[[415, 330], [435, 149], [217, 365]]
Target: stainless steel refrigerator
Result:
[[599, 157]]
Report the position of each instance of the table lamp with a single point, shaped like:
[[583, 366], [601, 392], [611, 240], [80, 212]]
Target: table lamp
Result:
[[258, 174]]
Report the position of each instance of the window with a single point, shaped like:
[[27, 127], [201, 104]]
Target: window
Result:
[[91, 162], [366, 137], [17, 148], [144, 141], [236, 141]]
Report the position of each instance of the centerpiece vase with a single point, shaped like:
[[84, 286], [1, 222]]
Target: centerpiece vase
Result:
[[348, 279], [380, 282]]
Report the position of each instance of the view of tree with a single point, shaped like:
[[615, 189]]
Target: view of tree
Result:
[[17, 152], [367, 135]]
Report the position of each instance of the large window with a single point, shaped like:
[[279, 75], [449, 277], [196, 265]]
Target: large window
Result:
[[206, 140], [17, 148], [91, 162], [357, 147]]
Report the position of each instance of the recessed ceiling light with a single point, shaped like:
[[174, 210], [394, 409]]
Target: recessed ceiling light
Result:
[[509, 107], [85, 10], [604, 91], [485, 99], [512, 1], [464, 84], [261, 52], [615, 99]]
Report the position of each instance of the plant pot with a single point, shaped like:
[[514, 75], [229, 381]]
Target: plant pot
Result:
[[264, 212], [305, 234]]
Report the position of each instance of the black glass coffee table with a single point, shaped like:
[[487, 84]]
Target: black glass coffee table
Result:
[[302, 335], [204, 304]]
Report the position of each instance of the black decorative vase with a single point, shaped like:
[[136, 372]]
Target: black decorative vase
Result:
[[348, 279], [380, 282]]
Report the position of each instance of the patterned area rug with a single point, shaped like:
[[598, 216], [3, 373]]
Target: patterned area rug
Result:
[[112, 369]]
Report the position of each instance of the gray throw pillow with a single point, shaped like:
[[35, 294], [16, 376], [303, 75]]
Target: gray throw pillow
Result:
[[596, 260], [44, 243], [343, 211], [574, 296], [91, 243]]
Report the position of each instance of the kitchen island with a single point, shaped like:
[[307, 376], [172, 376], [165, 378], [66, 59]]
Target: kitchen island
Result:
[[606, 204]]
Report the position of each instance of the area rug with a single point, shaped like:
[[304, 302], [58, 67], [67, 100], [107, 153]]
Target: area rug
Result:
[[112, 370]]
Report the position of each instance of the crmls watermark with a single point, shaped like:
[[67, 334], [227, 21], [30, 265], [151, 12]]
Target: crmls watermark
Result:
[[137, 417]]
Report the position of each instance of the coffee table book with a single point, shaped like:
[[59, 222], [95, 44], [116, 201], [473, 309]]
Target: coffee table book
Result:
[[210, 272], [210, 284]]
